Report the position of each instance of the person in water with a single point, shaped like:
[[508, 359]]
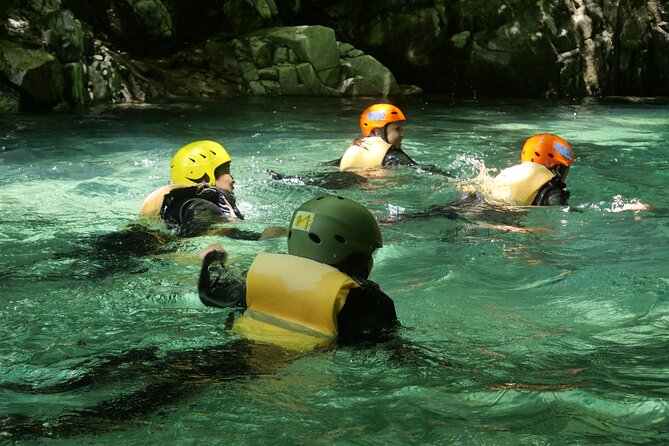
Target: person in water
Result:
[[540, 178], [379, 147], [381, 142], [201, 193], [317, 292]]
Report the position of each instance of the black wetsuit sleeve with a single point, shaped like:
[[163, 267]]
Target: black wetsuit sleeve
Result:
[[217, 287], [557, 198], [552, 193], [333, 162], [197, 216], [238, 234], [397, 157], [368, 311]]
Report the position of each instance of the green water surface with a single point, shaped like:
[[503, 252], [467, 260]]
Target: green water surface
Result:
[[557, 333]]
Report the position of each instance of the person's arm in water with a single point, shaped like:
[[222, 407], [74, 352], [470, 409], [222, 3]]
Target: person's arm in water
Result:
[[240, 234], [397, 157], [216, 286]]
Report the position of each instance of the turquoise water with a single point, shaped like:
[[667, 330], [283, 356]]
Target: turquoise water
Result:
[[557, 333]]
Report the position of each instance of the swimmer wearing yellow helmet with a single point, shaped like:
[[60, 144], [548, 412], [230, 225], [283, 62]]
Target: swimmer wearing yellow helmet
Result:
[[319, 291], [201, 193]]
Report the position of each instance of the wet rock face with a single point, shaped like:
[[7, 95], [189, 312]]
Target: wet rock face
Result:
[[307, 60], [59, 53], [511, 47], [33, 73]]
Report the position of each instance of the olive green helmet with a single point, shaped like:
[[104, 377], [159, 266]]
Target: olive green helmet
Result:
[[328, 229], [197, 159]]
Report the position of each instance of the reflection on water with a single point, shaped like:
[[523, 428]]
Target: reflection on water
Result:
[[537, 326]]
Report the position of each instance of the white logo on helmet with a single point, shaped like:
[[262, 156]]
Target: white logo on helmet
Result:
[[303, 220], [562, 150], [376, 116]]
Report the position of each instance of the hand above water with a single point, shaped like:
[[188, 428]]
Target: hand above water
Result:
[[634, 205], [213, 247], [272, 232]]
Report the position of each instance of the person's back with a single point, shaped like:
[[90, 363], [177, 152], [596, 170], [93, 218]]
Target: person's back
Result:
[[201, 195], [381, 144], [201, 192], [319, 291], [540, 178]]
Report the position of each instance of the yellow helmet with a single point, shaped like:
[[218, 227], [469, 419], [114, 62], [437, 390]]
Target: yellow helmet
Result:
[[195, 160]]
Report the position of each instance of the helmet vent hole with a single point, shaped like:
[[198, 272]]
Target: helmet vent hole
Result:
[[319, 198], [550, 155], [537, 154], [289, 234], [340, 198], [191, 159], [340, 239], [314, 238]]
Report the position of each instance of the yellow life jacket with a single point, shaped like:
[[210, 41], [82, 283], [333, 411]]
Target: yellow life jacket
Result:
[[293, 301], [367, 155], [518, 185], [153, 203]]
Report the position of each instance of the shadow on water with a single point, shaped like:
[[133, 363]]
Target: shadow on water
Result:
[[169, 377], [97, 257], [599, 372], [166, 378]]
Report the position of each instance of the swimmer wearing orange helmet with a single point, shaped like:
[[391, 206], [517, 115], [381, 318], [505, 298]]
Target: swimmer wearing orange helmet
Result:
[[381, 145], [540, 178]]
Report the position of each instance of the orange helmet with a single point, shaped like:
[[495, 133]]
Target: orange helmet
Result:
[[547, 149], [377, 116]]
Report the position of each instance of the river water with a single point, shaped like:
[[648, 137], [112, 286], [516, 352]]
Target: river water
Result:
[[519, 326]]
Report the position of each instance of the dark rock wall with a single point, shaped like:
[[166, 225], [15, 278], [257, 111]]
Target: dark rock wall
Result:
[[510, 47], [63, 53]]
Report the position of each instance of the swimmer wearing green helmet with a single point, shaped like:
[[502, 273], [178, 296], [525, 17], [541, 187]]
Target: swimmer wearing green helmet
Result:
[[331, 240]]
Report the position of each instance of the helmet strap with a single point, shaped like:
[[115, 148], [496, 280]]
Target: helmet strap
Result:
[[355, 265], [381, 132], [560, 171]]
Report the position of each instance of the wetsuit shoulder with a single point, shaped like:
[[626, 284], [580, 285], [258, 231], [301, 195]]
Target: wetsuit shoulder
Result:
[[190, 211], [397, 157], [553, 193], [218, 287], [367, 311]]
